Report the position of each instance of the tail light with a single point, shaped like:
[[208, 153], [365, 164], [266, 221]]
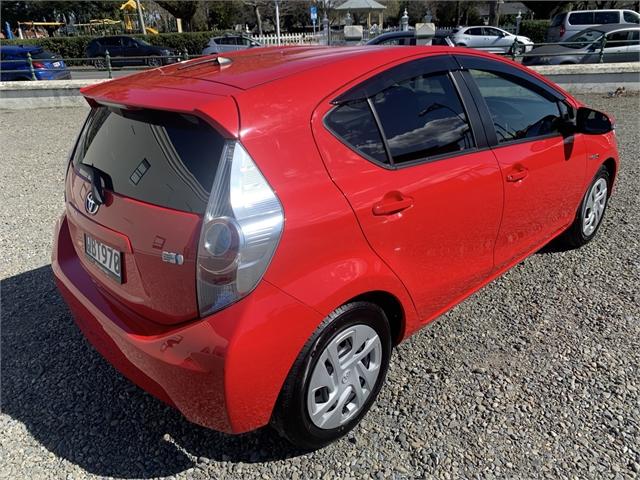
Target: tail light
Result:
[[240, 231], [38, 65], [562, 31]]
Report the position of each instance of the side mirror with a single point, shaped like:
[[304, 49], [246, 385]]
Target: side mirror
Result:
[[592, 122]]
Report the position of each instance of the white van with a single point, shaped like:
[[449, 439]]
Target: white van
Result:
[[566, 24]]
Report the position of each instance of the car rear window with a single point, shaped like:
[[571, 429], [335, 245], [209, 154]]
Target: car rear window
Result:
[[42, 55], [163, 158], [558, 20]]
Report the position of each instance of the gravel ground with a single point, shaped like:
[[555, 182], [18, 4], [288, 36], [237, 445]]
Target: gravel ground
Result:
[[534, 376]]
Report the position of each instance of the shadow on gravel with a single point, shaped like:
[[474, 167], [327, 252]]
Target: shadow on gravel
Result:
[[81, 409]]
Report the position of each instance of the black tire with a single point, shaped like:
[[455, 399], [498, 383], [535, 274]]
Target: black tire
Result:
[[575, 236], [154, 61], [291, 417]]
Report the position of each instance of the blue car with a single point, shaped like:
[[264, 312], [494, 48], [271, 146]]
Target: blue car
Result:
[[46, 65]]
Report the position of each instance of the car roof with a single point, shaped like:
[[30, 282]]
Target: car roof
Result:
[[20, 48], [258, 68], [252, 67], [401, 34]]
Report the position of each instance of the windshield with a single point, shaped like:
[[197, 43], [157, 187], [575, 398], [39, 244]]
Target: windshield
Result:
[[584, 38]]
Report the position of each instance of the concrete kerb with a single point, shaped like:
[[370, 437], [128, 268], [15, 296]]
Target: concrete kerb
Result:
[[590, 78]]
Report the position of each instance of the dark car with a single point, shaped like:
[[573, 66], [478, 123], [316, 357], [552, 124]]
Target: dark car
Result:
[[621, 44], [128, 51], [408, 38], [14, 65]]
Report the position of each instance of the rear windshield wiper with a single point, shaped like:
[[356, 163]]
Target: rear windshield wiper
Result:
[[99, 182]]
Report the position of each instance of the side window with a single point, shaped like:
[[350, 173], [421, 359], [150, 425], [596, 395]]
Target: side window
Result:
[[631, 17], [518, 112], [618, 39], [492, 32], [581, 18], [606, 17], [423, 117], [391, 41], [354, 124], [634, 37], [474, 31]]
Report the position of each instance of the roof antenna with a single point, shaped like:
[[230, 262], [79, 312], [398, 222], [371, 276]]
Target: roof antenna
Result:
[[221, 61]]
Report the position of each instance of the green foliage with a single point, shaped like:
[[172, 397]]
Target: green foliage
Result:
[[74, 47], [536, 30]]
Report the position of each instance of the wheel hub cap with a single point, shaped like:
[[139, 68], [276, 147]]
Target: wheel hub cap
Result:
[[344, 376], [594, 207]]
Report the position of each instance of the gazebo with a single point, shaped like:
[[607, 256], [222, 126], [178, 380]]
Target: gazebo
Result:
[[364, 6]]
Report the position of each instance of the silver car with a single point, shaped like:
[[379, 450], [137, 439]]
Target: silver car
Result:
[[567, 24], [490, 39], [622, 44], [229, 43]]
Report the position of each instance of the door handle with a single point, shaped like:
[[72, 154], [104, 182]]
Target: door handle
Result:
[[517, 175], [392, 202]]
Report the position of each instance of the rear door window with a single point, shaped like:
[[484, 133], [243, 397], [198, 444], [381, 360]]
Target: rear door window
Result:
[[474, 31], [423, 117], [606, 17], [581, 18], [162, 158], [354, 124]]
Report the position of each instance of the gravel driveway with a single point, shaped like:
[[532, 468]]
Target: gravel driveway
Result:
[[537, 375]]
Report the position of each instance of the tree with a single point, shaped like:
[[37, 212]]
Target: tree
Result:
[[182, 10], [14, 11]]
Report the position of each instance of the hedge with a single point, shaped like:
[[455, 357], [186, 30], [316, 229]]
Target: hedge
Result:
[[536, 30], [74, 47]]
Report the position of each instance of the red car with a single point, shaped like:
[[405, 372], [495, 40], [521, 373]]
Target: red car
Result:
[[247, 237]]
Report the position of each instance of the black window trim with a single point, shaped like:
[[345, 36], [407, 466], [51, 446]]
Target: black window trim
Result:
[[466, 101]]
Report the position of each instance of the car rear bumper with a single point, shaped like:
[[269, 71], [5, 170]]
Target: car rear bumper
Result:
[[224, 371]]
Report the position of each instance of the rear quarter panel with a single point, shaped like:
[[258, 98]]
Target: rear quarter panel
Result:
[[323, 259]]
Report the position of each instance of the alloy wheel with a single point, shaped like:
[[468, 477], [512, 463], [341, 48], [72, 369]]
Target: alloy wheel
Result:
[[594, 207], [344, 376]]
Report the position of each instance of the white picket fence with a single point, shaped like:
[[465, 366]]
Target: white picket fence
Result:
[[288, 39]]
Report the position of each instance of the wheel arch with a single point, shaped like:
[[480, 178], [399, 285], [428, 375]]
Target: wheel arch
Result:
[[392, 308], [612, 168]]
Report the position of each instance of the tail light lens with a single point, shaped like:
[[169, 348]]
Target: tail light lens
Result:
[[562, 30], [38, 65], [240, 231]]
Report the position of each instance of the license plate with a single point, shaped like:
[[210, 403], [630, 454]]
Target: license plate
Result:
[[108, 259], [56, 64]]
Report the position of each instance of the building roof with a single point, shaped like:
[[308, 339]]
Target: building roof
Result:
[[362, 5]]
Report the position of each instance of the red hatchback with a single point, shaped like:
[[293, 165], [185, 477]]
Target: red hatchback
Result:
[[248, 237]]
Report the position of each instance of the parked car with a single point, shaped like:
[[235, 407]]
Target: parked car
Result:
[[250, 240], [407, 38], [565, 25], [14, 64], [622, 44], [490, 39], [128, 51], [229, 43]]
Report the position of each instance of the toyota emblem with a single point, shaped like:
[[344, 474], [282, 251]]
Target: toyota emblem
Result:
[[90, 205]]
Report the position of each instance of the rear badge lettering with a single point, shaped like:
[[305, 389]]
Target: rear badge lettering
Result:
[[171, 257]]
